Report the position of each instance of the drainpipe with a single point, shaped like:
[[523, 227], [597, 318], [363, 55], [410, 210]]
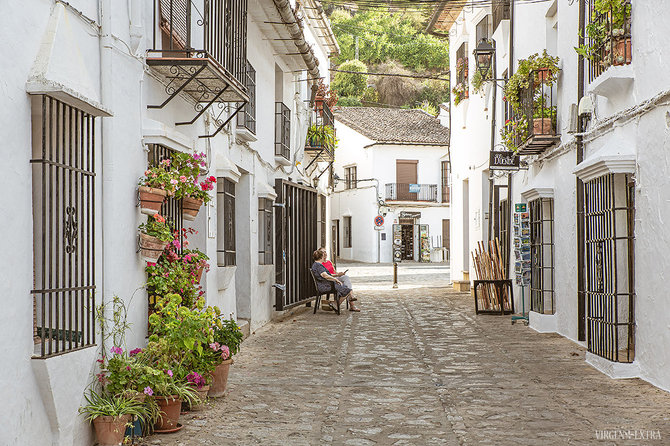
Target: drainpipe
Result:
[[510, 71], [581, 301], [107, 132], [493, 142]]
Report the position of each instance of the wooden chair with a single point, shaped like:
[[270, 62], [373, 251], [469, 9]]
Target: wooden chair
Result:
[[325, 293]]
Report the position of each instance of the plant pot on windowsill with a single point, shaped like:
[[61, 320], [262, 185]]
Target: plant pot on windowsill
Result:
[[190, 208], [151, 199], [220, 379], [110, 430], [542, 126], [151, 247], [169, 407]]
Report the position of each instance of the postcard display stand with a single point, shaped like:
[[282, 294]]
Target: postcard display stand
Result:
[[522, 254]]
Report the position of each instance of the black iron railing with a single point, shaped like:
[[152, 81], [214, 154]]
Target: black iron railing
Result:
[[609, 38], [64, 252], [609, 221], [500, 12], [172, 208], [537, 118], [246, 118], [411, 192], [322, 118], [215, 29], [282, 131]]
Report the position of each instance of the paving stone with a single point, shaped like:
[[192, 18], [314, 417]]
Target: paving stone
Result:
[[417, 367]]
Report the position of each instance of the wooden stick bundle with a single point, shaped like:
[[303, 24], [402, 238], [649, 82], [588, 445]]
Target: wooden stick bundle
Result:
[[488, 265]]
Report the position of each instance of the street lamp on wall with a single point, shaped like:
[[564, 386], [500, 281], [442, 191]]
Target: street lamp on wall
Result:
[[484, 57]]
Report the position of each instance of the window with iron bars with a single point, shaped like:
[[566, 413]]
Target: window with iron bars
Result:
[[265, 231], [446, 181], [172, 207], [542, 256], [608, 37], [462, 67], [350, 177], [282, 131], [246, 117], [609, 216], [347, 233], [64, 254], [225, 239]]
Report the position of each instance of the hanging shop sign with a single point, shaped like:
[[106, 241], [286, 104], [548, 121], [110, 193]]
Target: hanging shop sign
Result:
[[503, 160], [406, 214]]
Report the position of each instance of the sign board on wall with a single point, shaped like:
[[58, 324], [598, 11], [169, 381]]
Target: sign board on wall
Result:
[[406, 214], [414, 188], [503, 160]]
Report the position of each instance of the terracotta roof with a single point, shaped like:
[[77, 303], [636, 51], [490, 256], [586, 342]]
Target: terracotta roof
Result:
[[394, 125], [444, 16]]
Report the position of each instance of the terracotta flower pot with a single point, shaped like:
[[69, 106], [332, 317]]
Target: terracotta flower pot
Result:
[[190, 207], [622, 51], [169, 408], [151, 247], [151, 199], [542, 126], [218, 387], [198, 273], [202, 395], [544, 75], [110, 430]]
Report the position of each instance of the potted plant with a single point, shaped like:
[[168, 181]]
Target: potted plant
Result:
[[110, 413], [477, 81], [322, 136], [227, 339], [194, 194], [157, 183], [201, 384], [460, 93], [543, 69], [608, 41], [197, 261], [514, 132], [155, 234], [544, 116]]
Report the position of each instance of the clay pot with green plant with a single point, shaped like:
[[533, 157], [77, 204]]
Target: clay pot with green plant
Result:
[[227, 340], [155, 234], [322, 136], [157, 183], [110, 414]]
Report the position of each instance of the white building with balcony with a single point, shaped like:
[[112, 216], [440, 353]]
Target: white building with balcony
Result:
[[101, 89], [393, 163]]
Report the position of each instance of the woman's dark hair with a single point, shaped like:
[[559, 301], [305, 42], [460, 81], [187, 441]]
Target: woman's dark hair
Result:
[[317, 255]]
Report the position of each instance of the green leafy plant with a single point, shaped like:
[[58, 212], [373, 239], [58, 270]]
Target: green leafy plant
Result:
[[477, 81], [520, 80], [160, 177], [599, 32], [322, 136], [429, 108], [351, 84], [227, 332], [349, 101], [514, 131], [101, 404], [157, 226]]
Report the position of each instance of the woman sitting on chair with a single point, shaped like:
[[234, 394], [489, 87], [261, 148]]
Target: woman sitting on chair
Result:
[[324, 280]]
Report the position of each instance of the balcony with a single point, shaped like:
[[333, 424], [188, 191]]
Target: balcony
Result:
[[500, 12], [282, 134], [320, 142], [608, 38], [411, 192], [199, 48], [538, 119]]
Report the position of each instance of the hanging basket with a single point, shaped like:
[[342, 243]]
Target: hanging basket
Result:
[[151, 199], [190, 207], [151, 247]]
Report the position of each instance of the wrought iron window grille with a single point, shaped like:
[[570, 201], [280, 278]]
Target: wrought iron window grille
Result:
[[282, 131], [609, 212], [225, 194], [63, 166], [172, 207], [609, 38], [265, 231], [246, 118], [542, 256]]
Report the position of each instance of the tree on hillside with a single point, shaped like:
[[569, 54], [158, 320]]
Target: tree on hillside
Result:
[[351, 84]]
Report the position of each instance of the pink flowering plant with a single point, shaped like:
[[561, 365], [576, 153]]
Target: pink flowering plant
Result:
[[160, 177], [157, 226], [197, 259], [227, 337]]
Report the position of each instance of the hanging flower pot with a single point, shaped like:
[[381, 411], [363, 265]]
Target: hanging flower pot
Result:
[[151, 247], [622, 51], [198, 273], [110, 430], [220, 379], [190, 208], [544, 75], [169, 408], [151, 199]]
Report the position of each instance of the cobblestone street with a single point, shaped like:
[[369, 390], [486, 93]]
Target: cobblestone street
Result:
[[417, 367]]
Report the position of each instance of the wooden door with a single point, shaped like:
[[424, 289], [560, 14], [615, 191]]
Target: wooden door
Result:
[[406, 174], [445, 233]]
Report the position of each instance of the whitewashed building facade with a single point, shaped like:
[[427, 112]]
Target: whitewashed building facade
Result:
[[593, 190], [393, 163], [94, 92]]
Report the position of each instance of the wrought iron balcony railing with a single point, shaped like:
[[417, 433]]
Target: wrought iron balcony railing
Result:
[[609, 37], [199, 47], [411, 192], [539, 115], [323, 122], [246, 118], [500, 12], [282, 131]]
